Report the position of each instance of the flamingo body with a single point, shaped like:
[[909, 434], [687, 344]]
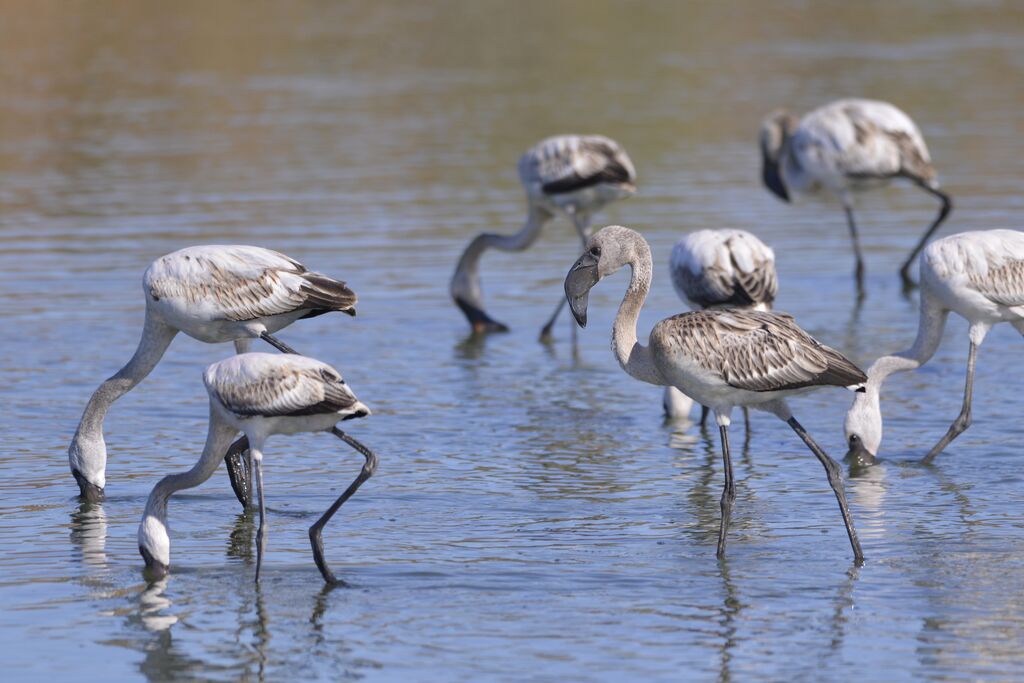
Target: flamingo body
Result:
[[980, 277], [849, 146], [570, 175], [259, 394], [213, 293]]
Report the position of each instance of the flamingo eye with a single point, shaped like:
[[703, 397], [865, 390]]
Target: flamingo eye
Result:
[[595, 251]]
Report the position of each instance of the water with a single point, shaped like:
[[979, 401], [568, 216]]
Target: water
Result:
[[532, 517]]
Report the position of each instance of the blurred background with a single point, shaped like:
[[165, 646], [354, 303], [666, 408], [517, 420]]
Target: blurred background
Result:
[[532, 517]]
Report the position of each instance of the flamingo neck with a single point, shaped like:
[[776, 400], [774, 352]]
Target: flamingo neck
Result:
[[930, 326], [465, 282], [87, 452], [634, 357], [153, 534]]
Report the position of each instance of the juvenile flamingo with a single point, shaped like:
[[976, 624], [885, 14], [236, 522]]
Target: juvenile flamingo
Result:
[[574, 175], [214, 294], [720, 269], [260, 394], [847, 146], [977, 275], [722, 358]]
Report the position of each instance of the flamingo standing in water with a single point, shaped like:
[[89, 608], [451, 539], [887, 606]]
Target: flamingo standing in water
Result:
[[720, 269], [574, 175], [977, 275], [844, 147], [260, 394], [722, 358], [214, 294]]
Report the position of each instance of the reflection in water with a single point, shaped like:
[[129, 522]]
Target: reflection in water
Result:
[[240, 542], [89, 533], [153, 607], [730, 618], [843, 604], [867, 487]]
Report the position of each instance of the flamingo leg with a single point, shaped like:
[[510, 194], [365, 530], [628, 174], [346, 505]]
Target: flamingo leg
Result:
[[704, 412], [256, 465], [277, 343], [963, 420], [581, 221], [858, 272], [728, 492], [944, 209], [835, 480], [315, 538]]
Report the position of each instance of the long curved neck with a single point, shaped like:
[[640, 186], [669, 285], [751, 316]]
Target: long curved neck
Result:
[[634, 357], [218, 439], [156, 336], [930, 326], [466, 280]]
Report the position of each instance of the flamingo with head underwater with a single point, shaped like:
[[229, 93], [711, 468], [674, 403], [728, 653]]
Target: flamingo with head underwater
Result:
[[573, 175], [980, 277], [260, 394], [213, 293]]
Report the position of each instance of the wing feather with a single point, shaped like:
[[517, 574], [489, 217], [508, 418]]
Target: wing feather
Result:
[[272, 385], [759, 351], [240, 283], [566, 163]]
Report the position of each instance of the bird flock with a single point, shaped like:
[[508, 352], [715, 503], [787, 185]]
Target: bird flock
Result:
[[732, 350]]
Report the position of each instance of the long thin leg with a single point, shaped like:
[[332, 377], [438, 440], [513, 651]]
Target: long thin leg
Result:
[[315, 539], [944, 209], [835, 480], [256, 465], [581, 221], [277, 343], [858, 272], [963, 420], [704, 412], [728, 493]]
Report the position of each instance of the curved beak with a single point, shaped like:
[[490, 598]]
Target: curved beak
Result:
[[90, 493], [478, 318], [358, 409], [858, 455], [773, 178], [155, 570], [351, 311], [581, 278]]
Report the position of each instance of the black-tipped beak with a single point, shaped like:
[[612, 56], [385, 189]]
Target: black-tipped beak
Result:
[[581, 278], [351, 312], [155, 570], [89, 492], [773, 179], [858, 455], [478, 319]]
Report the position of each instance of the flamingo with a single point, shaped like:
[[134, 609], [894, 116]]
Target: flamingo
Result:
[[720, 269], [215, 294], [977, 275], [260, 394], [574, 175], [847, 146], [722, 358]]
